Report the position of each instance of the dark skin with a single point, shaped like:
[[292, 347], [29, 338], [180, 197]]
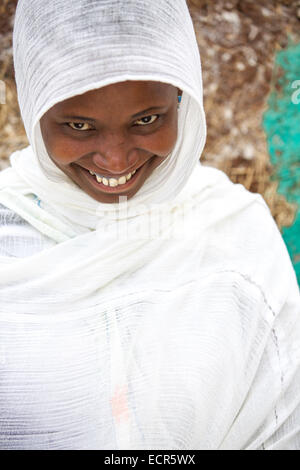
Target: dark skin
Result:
[[110, 138]]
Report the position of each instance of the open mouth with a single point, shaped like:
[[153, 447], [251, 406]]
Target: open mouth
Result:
[[112, 185]]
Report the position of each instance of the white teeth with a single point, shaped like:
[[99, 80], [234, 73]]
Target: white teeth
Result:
[[112, 181], [122, 180]]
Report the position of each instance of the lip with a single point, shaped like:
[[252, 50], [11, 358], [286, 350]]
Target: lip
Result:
[[113, 189]]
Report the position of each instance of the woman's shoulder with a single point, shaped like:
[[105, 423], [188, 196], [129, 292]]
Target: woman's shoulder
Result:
[[246, 240], [17, 237]]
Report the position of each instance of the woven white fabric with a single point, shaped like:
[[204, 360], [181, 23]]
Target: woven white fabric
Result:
[[188, 339], [18, 238]]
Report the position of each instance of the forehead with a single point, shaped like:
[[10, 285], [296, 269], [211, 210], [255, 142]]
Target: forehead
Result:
[[128, 93]]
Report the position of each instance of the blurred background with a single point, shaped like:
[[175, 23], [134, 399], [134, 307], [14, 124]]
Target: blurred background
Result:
[[250, 54]]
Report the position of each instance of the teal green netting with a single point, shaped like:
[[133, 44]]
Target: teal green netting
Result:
[[281, 123]]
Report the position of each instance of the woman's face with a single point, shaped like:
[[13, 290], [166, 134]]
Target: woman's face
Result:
[[102, 136]]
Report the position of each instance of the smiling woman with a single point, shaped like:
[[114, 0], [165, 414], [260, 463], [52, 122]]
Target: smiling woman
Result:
[[118, 339], [109, 133]]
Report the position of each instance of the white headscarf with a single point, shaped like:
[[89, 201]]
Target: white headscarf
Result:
[[175, 310], [67, 51]]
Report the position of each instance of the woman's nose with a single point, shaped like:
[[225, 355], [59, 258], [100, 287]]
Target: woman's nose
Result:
[[115, 154]]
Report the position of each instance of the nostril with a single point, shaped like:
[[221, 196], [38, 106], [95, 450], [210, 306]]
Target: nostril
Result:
[[117, 154]]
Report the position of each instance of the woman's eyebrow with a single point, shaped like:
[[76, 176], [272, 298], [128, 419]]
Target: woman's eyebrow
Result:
[[79, 118], [86, 118], [148, 110]]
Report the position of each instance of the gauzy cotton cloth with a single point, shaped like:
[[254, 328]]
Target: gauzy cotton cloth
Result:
[[114, 335]]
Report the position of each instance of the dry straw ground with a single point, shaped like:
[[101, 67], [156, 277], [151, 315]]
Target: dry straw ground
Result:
[[238, 40]]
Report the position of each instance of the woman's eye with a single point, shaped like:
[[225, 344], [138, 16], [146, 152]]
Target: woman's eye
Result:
[[147, 120], [79, 126]]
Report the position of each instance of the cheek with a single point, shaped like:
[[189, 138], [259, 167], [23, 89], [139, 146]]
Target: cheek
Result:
[[61, 148], [165, 140], [64, 150]]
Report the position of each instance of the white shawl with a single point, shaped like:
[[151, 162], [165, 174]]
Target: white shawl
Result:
[[168, 321]]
